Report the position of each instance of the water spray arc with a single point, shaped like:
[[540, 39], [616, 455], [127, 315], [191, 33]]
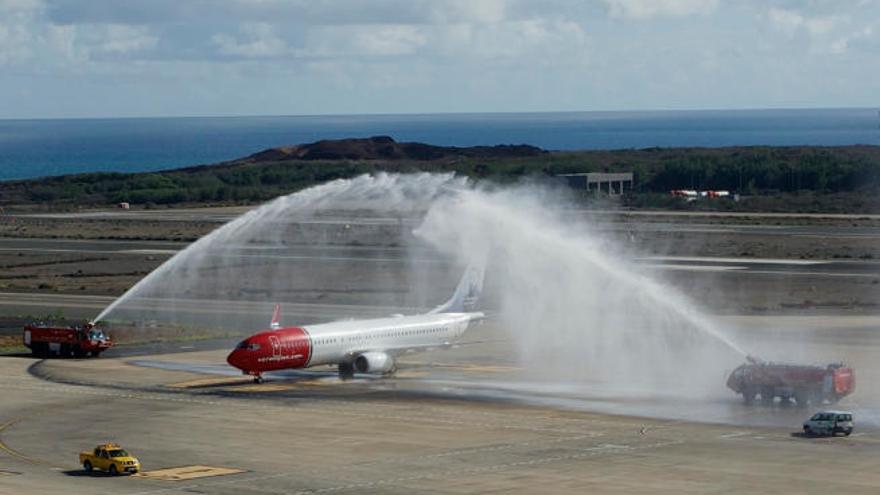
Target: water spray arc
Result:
[[577, 310]]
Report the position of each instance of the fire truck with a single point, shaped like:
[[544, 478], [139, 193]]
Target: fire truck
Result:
[[79, 340], [804, 384]]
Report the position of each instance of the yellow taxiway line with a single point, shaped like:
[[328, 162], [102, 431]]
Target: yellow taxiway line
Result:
[[209, 382], [14, 453]]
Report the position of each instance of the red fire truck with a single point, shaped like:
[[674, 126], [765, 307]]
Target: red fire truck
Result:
[[78, 341], [805, 384]]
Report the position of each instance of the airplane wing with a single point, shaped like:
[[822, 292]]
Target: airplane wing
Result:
[[397, 351]]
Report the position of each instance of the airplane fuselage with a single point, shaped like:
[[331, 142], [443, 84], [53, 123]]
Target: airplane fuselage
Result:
[[343, 342]]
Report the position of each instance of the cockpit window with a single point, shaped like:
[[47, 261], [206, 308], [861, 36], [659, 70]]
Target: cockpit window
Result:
[[247, 345]]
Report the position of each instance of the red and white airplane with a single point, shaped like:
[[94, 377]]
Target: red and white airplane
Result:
[[366, 346]]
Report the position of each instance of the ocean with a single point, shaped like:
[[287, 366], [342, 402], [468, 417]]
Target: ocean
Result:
[[36, 148]]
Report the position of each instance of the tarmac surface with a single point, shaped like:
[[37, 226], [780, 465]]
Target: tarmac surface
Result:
[[449, 422], [469, 419]]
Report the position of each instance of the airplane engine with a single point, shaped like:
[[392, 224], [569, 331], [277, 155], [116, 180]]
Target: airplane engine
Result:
[[375, 362]]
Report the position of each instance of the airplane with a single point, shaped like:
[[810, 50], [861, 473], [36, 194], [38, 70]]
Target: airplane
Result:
[[364, 346]]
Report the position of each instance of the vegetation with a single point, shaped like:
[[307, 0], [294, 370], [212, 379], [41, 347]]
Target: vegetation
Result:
[[816, 177]]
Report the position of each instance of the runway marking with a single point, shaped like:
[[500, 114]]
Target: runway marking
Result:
[[752, 261], [208, 382], [8, 473], [411, 374], [736, 434], [281, 387], [696, 268], [14, 453], [149, 251], [187, 473]]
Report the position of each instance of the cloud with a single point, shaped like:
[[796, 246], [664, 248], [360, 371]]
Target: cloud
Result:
[[790, 22], [14, 43], [365, 40], [18, 6], [258, 40], [644, 9], [301, 12], [468, 11], [122, 39], [423, 55], [16, 37], [536, 41]]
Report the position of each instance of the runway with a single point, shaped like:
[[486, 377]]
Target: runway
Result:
[[332, 253]]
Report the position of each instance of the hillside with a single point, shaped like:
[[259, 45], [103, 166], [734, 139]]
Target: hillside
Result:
[[797, 178], [386, 148]]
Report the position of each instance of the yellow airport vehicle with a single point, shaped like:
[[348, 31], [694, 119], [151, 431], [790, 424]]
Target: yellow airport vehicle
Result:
[[111, 458]]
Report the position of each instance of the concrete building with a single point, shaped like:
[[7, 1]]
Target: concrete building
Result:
[[612, 184]]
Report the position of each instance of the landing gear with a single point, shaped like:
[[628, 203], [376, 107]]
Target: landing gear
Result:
[[346, 371], [258, 378]]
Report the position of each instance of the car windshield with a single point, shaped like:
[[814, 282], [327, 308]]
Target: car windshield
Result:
[[118, 453]]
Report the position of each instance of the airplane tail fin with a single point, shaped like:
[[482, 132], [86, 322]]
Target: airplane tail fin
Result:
[[276, 317], [466, 297]]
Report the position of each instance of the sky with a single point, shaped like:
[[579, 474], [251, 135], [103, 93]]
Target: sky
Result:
[[142, 58]]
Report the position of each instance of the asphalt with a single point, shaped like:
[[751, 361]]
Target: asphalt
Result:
[[456, 421], [470, 419]]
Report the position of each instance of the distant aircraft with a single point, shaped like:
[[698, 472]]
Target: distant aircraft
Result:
[[363, 346]]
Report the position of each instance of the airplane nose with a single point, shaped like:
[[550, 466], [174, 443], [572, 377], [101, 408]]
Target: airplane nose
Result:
[[235, 359]]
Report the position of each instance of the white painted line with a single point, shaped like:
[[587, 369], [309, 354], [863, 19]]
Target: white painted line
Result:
[[696, 268], [766, 261], [735, 435], [150, 251]]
